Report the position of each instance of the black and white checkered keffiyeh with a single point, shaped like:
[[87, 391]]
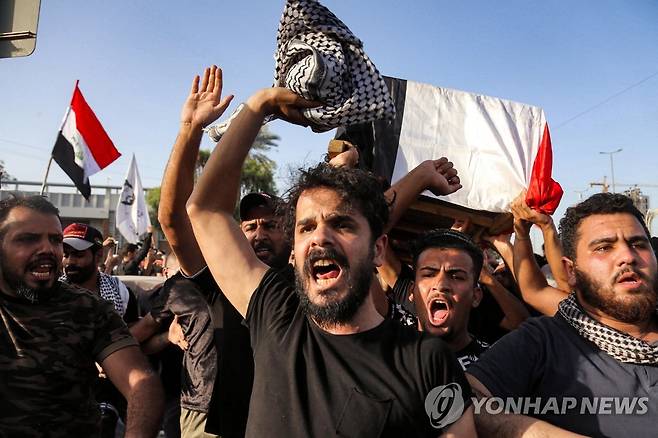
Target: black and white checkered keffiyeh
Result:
[[623, 347], [111, 289], [319, 58]]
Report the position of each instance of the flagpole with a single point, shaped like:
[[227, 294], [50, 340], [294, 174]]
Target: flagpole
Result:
[[45, 177], [68, 110]]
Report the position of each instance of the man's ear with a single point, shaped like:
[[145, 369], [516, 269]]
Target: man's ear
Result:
[[380, 249], [410, 294], [98, 257], [570, 268], [477, 296]]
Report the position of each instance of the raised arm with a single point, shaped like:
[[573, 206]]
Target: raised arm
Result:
[[439, 177], [552, 244], [514, 310], [231, 260], [203, 106], [534, 288]]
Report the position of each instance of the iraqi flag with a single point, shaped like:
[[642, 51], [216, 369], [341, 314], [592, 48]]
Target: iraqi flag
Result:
[[82, 147], [498, 146]]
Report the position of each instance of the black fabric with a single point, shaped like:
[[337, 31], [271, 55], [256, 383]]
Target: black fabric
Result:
[[229, 405], [310, 383], [471, 353], [546, 358], [402, 289], [378, 141], [183, 298], [132, 310], [64, 155], [484, 321]]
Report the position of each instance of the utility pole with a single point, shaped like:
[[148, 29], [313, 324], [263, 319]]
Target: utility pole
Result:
[[612, 167]]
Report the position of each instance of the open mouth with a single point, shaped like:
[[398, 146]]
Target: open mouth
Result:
[[325, 271], [42, 271], [629, 279], [438, 311]]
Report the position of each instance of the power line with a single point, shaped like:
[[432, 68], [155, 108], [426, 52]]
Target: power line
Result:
[[606, 100]]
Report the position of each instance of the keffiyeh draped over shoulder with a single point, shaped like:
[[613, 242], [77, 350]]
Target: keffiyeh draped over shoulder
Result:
[[319, 58]]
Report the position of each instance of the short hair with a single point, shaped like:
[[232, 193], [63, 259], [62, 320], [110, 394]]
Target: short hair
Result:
[[448, 238], [357, 188], [600, 203], [35, 202], [130, 247]]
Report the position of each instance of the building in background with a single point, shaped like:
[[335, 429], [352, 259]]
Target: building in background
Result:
[[99, 212], [640, 200]]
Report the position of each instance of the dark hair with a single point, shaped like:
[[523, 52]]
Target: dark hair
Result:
[[600, 203], [448, 238], [35, 202], [357, 188], [130, 247]]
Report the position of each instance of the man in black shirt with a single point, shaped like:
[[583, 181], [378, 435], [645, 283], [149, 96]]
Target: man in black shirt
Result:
[[592, 367], [326, 362], [447, 265]]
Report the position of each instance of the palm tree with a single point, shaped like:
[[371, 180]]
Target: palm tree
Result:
[[258, 169]]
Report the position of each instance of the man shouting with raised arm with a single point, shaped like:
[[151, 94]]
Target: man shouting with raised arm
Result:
[[326, 362]]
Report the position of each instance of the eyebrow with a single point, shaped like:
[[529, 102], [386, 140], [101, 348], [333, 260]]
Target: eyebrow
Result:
[[451, 269], [636, 238]]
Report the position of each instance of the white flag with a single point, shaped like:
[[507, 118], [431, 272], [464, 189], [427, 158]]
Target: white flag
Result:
[[132, 218]]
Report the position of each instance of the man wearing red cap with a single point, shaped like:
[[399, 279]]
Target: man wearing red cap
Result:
[[83, 251]]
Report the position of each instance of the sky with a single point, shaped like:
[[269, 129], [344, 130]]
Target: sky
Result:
[[592, 65]]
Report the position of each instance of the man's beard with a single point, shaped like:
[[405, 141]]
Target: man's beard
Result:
[[337, 311], [80, 274], [18, 285], [637, 306]]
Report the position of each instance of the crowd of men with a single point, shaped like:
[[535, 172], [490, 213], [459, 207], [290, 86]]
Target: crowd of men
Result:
[[301, 320]]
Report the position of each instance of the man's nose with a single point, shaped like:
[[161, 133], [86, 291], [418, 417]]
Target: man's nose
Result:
[[322, 236]]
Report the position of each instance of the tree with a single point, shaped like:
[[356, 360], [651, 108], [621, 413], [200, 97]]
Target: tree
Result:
[[257, 171], [152, 203], [4, 175]]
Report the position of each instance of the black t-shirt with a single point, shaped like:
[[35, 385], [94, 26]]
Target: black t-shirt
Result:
[[580, 387], [402, 288], [310, 383], [471, 353], [484, 320], [184, 298], [229, 405]]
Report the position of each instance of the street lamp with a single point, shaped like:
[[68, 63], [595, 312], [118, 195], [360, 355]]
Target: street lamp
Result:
[[612, 167]]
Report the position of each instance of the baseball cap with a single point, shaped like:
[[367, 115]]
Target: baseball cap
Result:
[[82, 236], [253, 200]]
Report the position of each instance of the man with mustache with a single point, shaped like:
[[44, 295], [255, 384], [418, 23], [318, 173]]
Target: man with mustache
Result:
[[326, 361], [52, 334], [83, 251], [592, 368]]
